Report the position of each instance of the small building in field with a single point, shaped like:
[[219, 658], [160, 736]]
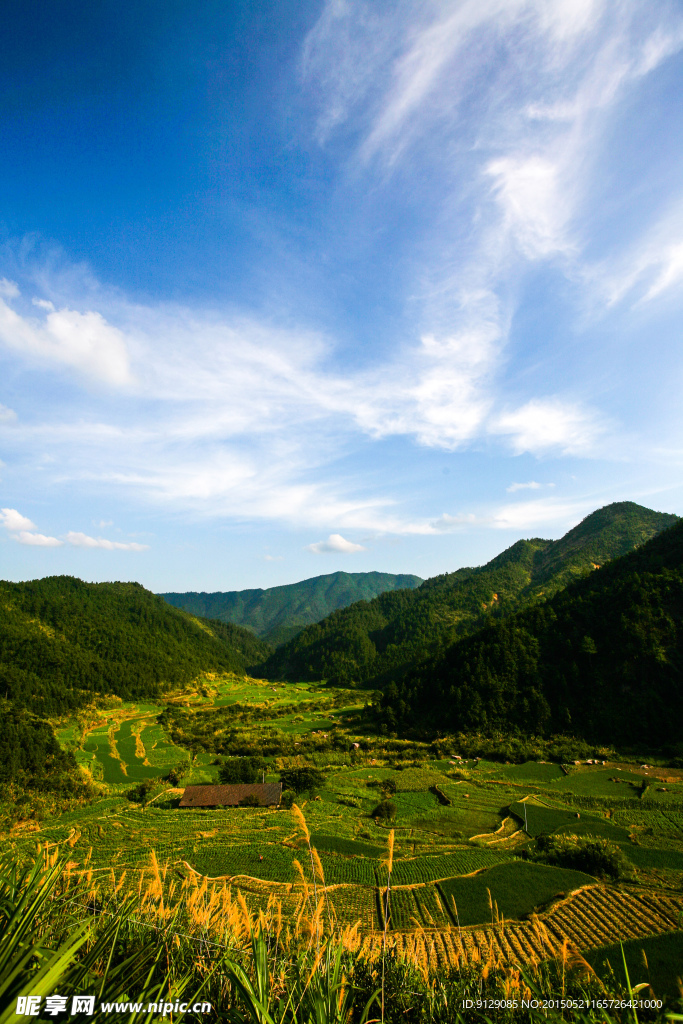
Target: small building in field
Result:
[[267, 793]]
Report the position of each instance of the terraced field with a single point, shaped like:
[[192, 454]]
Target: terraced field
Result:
[[590, 918], [459, 889]]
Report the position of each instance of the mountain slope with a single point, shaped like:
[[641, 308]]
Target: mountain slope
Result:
[[61, 640], [370, 642], [279, 613], [602, 659]]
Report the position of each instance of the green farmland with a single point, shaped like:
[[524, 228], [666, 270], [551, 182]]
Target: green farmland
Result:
[[466, 831]]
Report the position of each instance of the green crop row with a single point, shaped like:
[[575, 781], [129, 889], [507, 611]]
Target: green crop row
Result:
[[428, 868], [350, 847]]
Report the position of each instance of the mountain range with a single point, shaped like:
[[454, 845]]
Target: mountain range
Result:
[[602, 659], [581, 635], [279, 613], [373, 641]]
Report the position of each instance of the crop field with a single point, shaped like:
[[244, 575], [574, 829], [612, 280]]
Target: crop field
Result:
[[663, 954], [516, 889], [452, 847], [600, 915], [666, 822], [101, 762], [532, 772], [599, 782], [538, 819]]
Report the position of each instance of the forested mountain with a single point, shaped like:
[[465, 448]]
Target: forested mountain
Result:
[[279, 613], [602, 659], [61, 640], [373, 641]]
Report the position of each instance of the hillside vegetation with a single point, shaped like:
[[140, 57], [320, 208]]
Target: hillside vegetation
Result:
[[602, 659], [374, 642], [62, 641], [279, 613]]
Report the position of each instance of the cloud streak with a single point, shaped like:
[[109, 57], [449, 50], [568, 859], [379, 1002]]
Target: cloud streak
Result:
[[82, 540], [24, 532], [335, 544]]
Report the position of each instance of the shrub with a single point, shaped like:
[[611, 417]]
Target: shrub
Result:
[[385, 810], [287, 798], [593, 856], [139, 794], [250, 800]]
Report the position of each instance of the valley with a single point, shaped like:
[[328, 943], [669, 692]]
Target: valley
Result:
[[452, 812]]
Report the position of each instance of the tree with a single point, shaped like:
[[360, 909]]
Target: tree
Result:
[[241, 769], [178, 773], [301, 780], [139, 794]]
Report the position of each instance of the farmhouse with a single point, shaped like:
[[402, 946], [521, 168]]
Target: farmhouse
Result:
[[268, 794]]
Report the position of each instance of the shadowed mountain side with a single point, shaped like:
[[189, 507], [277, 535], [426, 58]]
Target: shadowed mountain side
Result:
[[279, 613], [62, 641], [372, 641], [602, 659]]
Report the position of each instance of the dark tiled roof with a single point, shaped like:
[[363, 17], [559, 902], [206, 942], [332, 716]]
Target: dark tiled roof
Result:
[[230, 796]]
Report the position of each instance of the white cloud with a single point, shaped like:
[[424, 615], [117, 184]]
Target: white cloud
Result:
[[82, 540], [13, 520], [273, 558], [7, 415], [84, 341], [535, 203], [38, 540], [532, 485], [550, 424], [521, 516], [231, 415], [335, 544], [8, 288], [527, 515]]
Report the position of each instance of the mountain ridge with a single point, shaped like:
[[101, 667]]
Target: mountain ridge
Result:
[[602, 658], [62, 641], [276, 614], [369, 641]]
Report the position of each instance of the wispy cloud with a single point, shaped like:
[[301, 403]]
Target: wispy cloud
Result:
[[24, 531], [490, 111], [521, 515], [39, 540], [532, 485], [335, 544], [82, 540]]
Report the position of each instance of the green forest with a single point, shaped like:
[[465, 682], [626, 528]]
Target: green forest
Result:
[[63, 641], [372, 643], [602, 659], [279, 613]]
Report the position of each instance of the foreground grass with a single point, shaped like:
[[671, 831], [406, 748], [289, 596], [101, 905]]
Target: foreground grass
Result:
[[60, 932]]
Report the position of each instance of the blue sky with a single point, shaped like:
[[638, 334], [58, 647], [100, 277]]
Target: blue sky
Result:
[[292, 287]]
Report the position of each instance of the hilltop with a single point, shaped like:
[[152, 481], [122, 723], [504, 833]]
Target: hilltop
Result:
[[279, 613], [602, 659], [371, 642]]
